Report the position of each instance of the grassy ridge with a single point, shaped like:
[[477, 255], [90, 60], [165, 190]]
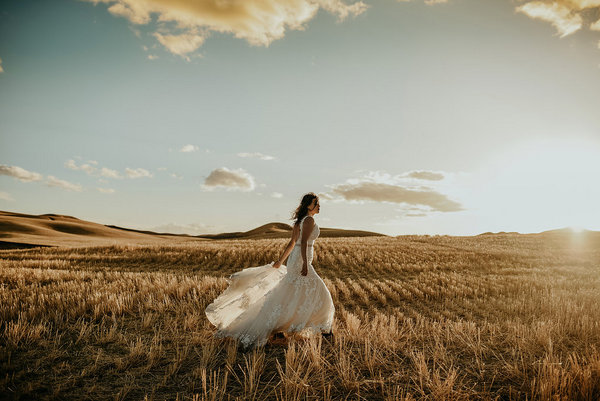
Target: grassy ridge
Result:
[[417, 317]]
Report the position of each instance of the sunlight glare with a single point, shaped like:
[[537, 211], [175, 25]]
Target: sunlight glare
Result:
[[545, 184]]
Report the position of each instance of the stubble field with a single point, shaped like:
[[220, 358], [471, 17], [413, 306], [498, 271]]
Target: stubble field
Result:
[[501, 316]]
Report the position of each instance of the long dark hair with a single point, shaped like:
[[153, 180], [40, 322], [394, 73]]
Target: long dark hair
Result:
[[302, 210]]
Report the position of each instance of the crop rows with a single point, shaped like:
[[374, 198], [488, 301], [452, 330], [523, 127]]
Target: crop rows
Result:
[[417, 317]]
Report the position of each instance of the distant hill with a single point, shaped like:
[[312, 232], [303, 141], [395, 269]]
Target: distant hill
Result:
[[558, 231], [282, 230], [567, 230], [18, 230]]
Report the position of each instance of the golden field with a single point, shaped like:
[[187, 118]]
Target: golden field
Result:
[[500, 316]]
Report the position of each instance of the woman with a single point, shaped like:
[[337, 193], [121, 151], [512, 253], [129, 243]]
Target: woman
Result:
[[274, 297]]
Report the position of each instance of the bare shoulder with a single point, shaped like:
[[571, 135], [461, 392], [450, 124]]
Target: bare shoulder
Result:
[[309, 220]]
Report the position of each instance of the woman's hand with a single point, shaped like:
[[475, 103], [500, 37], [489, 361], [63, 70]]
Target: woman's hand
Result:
[[304, 271], [277, 264]]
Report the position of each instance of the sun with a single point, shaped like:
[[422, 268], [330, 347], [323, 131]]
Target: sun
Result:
[[545, 183]]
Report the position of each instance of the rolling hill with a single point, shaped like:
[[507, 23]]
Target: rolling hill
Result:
[[18, 230]]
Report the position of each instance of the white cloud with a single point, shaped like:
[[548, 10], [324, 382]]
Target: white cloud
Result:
[[106, 190], [277, 195], [71, 164], [425, 175], [595, 26], [257, 155], [229, 179], [152, 57], [52, 181], [1, 69], [136, 12], [20, 173], [561, 16], [182, 44], [91, 170], [189, 148], [257, 21], [379, 186], [109, 173], [6, 196], [88, 168], [137, 173], [176, 176]]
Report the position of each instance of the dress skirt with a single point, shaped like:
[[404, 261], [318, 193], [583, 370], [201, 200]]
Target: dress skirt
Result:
[[261, 300]]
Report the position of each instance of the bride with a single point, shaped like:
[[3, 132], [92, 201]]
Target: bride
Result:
[[277, 298]]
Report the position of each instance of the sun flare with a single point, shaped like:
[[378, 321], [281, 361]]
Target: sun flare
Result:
[[545, 184]]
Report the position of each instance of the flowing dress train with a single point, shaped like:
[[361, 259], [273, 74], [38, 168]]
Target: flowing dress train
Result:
[[261, 300]]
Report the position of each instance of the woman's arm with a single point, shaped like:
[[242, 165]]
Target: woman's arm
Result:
[[289, 247], [307, 227]]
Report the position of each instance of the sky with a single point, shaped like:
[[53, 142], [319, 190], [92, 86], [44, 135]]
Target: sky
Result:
[[407, 117]]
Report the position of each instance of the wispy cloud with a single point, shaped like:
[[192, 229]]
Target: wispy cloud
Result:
[[6, 196], [382, 187], [277, 195], [425, 175], [106, 190], [109, 173], [1, 69], [567, 16], [182, 44], [228, 179], [257, 21], [380, 192], [91, 169], [256, 155], [137, 173], [88, 168], [561, 16], [52, 181], [189, 148], [20, 173], [173, 175]]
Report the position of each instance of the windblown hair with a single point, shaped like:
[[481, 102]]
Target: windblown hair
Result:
[[302, 209]]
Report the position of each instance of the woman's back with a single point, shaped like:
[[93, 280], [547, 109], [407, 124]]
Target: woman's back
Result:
[[313, 235]]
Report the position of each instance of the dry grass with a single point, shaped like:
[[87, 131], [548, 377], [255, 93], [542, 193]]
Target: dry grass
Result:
[[417, 317]]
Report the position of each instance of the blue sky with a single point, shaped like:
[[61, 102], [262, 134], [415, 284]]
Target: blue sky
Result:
[[454, 117]]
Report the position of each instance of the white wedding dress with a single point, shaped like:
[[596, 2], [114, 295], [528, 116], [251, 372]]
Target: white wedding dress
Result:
[[262, 300]]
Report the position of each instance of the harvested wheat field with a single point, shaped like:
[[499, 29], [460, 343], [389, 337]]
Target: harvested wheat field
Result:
[[500, 316]]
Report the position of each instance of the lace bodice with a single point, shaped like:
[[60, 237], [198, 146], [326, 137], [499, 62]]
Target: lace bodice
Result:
[[313, 235]]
